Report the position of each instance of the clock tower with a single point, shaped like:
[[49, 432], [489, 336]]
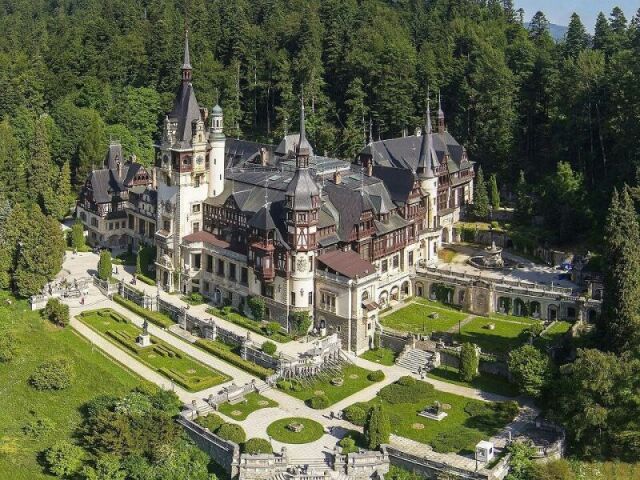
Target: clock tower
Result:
[[302, 207], [182, 165]]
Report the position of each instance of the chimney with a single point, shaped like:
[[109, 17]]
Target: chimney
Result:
[[337, 177], [119, 165], [263, 157], [369, 168], [154, 180]]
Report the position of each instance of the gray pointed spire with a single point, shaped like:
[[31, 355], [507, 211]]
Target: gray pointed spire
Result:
[[425, 161], [186, 63], [304, 149]]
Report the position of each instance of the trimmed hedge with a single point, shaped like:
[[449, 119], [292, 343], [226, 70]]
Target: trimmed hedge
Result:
[[318, 402], [145, 279], [157, 318], [376, 376], [232, 432], [234, 359], [211, 421], [356, 414], [254, 446], [405, 393]]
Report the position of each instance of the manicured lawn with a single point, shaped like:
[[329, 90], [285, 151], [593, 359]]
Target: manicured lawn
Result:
[[555, 332], [504, 338], [310, 432], [355, 379], [468, 421], [383, 356], [160, 356], [415, 317], [513, 318], [249, 324], [39, 341], [240, 411], [231, 355], [485, 381]]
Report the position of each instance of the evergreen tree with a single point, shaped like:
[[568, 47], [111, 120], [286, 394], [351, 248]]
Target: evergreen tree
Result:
[[104, 265], [6, 247], [138, 262], [495, 193], [91, 147], [539, 26], [481, 197], [377, 429], [602, 34], [58, 197], [524, 204], [77, 236], [577, 39], [621, 302], [13, 182], [353, 136], [469, 361]]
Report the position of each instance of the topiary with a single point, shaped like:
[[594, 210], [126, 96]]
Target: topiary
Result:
[[319, 402], [355, 414], [348, 445], [376, 376], [254, 446], [55, 374], [232, 432], [406, 381], [269, 347]]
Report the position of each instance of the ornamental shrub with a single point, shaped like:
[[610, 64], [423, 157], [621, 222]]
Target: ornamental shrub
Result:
[[348, 445], [300, 323], [318, 402], [7, 346], [232, 432], [104, 265], [55, 374], [355, 414], [253, 446], [77, 236], [56, 312], [406, 381], [376, 376], [272, 328], [211, 421], [377, 429], [269, 347], [257, 307], [469, 361], [397, 393], [64, 459]]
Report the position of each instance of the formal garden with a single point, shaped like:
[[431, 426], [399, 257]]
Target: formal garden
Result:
[[251, 402], [413, 406], [324, 390], [166, 360], [423, 316], [32, 420], [483, 381], [273, 330], [498, 334], [295, 430]]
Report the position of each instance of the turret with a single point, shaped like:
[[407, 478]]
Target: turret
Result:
[[186, 63], [216, 154], [441, 127]]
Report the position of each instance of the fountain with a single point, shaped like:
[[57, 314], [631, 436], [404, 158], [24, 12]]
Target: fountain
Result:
[[492, 259]]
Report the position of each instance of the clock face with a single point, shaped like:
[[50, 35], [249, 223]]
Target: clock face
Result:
[[301, 263], [200, 160]]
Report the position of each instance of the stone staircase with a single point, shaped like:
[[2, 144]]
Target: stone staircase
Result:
[[412, 359]]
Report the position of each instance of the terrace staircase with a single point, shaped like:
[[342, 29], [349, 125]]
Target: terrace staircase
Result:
[[413, 359]]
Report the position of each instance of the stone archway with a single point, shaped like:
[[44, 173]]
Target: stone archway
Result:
[[519, 308], [552, 312], [395, 294], [404, 290], [383, 298], [535, 310], [504, 305], [592, 316], [217, 296], [419, 289], [446, 236]]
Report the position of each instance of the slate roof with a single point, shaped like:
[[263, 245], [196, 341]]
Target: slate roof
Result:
[[113, 156], [404, 152], [303, 188], [185, 112], [347, 263]]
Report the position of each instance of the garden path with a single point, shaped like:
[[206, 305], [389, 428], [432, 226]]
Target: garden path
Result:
[[456, 328]]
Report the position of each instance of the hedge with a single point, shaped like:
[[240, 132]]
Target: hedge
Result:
[[234, 359], [156, 318], [356, 414], [376, 376], [232, 432], [254, 446], [145, 279], [318, 402], [405, 393]]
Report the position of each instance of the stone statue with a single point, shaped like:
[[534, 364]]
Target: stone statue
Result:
[[145, 327]]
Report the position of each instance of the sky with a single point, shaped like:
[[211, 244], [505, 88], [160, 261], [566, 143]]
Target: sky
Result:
[[559, 11]]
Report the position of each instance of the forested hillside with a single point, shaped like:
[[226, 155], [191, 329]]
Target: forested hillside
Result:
[[76, 73]]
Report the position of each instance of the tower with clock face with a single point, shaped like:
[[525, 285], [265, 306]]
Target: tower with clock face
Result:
[[302, 206], [182, 177]]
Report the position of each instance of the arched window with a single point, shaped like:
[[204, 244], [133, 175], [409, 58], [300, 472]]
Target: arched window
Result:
[[365, 296]]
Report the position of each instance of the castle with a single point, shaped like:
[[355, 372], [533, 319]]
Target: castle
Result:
[[233, 219]]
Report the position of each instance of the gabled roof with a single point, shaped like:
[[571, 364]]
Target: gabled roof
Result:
[[113, 156], [399, 182], [263, 219], [347, 263]]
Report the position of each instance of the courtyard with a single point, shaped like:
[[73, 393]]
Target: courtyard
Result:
[[496, 334], [423, 316], [169, 362], [251, 402]]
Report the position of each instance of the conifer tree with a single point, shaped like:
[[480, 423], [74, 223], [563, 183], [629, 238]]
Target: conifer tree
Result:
[[40, 172], [104, 265], [469, 362], [481, 197], [621, 303], [353, 135], [524, 205], [77, 236], [495, 193], [577, 39], [377, 429], [602, 33]]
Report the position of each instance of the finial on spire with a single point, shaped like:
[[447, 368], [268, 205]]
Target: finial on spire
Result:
[[303, 149], [441, 127], [186, 62]]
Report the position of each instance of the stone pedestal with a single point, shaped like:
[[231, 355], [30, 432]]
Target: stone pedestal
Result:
[[143, 340]]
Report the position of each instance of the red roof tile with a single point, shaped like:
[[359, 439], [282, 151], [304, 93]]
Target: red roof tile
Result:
[[348, 263]]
